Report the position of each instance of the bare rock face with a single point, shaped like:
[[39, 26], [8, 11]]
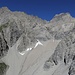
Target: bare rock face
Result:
[[3, 45], [3, 52], [72, 68], [14, 33]]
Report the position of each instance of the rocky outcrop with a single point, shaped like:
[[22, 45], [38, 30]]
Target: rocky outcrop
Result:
[[72, 68], [3, 45]]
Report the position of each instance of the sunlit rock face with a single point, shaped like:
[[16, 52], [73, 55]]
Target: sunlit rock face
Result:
[[32, 46]]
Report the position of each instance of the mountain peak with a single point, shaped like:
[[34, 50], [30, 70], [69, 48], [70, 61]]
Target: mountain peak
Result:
[[4, 9], [62, 14]]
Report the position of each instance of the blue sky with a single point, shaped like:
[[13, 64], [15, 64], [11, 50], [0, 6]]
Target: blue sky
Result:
[[45, 9]]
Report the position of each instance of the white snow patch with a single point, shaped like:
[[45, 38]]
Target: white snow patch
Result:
[[22, 53], [38, 43], [28, 49]]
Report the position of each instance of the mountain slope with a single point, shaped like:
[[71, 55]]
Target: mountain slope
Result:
[[32, 46]]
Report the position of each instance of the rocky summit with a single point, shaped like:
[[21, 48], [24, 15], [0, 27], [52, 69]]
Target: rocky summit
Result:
[[32, 46]]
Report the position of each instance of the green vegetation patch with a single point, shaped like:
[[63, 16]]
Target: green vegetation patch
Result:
[[4, 26], [3, 68]]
